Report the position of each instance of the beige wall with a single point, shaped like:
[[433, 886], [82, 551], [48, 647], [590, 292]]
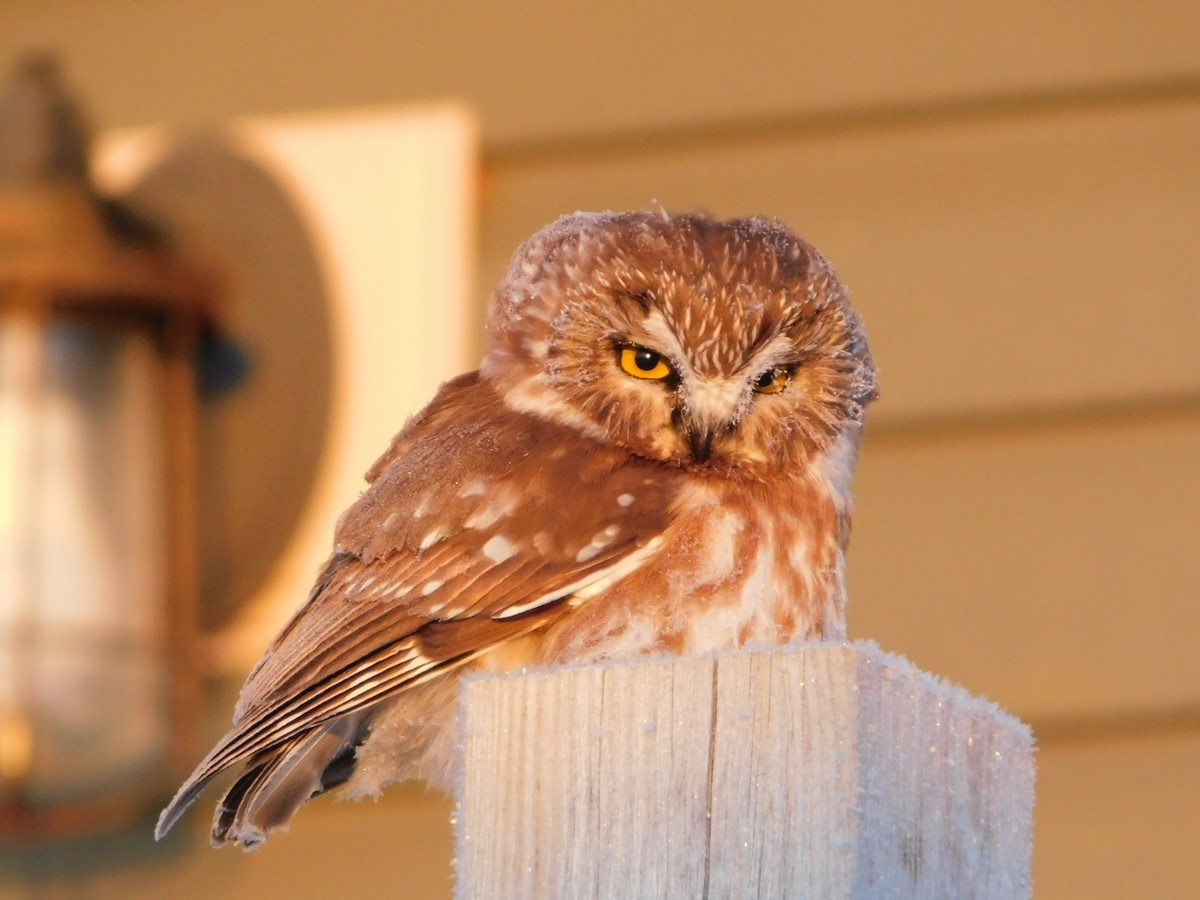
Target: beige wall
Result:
[[1012, 193]]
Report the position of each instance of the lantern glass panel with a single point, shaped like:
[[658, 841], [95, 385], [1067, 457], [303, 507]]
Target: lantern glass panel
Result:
[[83, 550]]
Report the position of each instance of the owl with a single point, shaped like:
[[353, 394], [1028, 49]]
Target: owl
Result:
[[654, 457]]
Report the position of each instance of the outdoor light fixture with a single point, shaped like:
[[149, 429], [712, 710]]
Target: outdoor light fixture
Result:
[[99, 330]]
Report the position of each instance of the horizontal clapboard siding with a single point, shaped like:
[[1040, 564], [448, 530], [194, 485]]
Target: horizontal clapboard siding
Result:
[[545, 69], [1051, 569], [1119, 817]]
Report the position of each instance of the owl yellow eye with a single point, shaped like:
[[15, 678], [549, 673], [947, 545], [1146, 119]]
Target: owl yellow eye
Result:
[[642, 363], [772, 381]]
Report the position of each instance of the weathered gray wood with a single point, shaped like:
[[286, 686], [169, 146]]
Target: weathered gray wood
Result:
[[821, 770]]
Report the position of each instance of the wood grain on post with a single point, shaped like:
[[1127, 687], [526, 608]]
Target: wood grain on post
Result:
[[817, 770]]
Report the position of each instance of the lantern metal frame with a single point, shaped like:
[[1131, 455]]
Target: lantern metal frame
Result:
[[59, 260]]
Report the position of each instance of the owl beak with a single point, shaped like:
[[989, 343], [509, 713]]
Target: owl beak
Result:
[[710, 411], [700, 441]]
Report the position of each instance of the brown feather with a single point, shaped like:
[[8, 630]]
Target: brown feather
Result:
[[372, 627]]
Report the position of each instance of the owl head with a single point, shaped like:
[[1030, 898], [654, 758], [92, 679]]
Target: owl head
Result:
[[723, 347]]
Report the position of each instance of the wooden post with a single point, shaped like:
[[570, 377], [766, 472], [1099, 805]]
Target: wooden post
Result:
[[818, 770]]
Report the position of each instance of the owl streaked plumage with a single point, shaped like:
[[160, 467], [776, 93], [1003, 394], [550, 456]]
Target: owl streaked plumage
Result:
[[654, 457]]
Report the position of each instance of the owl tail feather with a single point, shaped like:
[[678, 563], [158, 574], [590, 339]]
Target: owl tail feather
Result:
[[282, 778]]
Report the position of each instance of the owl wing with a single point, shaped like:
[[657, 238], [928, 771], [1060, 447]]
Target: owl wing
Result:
[[480, 525]]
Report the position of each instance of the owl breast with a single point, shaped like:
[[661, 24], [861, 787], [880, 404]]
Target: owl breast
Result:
[[739, 565]]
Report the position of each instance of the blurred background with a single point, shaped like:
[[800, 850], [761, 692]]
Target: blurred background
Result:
[[1012, 193]]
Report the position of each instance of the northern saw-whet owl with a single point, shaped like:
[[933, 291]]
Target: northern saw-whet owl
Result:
[[654, 457]]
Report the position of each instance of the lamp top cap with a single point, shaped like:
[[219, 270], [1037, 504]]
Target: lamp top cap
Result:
[[43, 134], [61, 242]]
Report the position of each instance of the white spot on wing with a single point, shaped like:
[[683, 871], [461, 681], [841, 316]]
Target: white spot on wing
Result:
[[616, 573], [430, 587], [600, 540], [430, 539], [499, 548], [476, 487], [422, 506], [624, 499], [492, 511], [594, 584]]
